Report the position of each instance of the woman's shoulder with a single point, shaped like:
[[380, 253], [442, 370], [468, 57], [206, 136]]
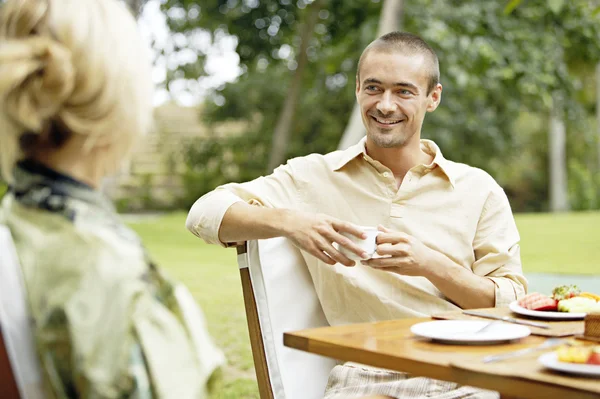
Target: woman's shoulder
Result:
[[58, 254]]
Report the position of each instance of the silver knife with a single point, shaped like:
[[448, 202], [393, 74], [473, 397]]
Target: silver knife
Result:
[[505, 318], [547, 344]]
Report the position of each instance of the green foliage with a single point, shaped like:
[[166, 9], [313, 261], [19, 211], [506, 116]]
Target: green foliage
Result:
[[498, 61], [219, 160], [512, 4], [147, 200], [495, 66], [584, 188], [123, 205], [3, 188]]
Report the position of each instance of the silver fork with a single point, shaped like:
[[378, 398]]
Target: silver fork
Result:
[[547, 344]]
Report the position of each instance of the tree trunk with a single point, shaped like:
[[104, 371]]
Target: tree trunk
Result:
[[390, 20], [559, 200], [283, 128]]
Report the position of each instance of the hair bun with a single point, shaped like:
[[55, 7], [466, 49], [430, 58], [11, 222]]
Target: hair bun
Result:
[[36, 79]]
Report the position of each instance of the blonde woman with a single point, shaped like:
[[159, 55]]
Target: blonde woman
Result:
[[75, 93]]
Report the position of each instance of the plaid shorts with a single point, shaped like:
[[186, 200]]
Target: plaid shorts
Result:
[[355, 381]]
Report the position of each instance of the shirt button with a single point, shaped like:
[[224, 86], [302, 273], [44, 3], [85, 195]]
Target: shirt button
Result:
[[386, 174]]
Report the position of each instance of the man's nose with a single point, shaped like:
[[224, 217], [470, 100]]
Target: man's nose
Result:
[[386, 104]]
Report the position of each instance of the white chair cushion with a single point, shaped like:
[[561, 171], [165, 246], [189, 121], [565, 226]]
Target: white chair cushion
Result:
[[15, 321], [286, 301]]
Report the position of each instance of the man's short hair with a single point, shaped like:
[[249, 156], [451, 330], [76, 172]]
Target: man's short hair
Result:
[[405, 43]]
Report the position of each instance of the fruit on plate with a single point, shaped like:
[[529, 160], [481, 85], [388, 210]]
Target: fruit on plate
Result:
[[565, 292], [595, 356], [578, 305], [573, 354], [590, 295], [537, 301]]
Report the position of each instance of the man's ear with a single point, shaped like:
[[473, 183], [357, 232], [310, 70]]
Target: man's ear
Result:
[[357, 86], [434, 98]]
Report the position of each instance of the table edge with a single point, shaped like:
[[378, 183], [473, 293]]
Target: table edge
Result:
[[506, 385]]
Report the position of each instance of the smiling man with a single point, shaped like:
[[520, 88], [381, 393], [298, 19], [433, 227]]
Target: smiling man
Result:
[[448, 238]]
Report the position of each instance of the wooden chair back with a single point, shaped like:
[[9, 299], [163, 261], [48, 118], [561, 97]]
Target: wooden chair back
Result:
[[279, 296]]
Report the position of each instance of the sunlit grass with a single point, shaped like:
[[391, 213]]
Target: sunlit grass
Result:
[[560, 243]]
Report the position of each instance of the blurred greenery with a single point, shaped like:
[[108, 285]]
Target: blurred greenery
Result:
[[565, 243], [500, 67], [3, 188]]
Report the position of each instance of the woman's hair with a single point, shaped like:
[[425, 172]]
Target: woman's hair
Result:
[[71, 68]]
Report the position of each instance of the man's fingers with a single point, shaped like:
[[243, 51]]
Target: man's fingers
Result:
[[334, 253], [400, 249], [346, 243], [392, 238], [318, 253], [384, 229], [313, 249], [345, 227], [382, 262]]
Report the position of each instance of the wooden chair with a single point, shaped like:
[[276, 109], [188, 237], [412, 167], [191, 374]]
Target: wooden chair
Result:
[[279, 296], [19, 369]]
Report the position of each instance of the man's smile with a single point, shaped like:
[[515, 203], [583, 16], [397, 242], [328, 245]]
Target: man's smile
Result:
[[388, 122]]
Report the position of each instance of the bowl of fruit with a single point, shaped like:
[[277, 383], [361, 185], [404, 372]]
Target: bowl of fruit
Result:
[[574, 359], [567, 302]]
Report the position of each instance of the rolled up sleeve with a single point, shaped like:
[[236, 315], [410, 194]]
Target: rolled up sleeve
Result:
[[277, 190], [497, 250]]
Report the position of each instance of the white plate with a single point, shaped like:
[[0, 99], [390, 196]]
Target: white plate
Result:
[[515, 307], [462, 332], [550, 360]]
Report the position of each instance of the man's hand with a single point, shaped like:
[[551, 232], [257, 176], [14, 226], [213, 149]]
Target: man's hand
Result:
[[410, 257], [404, 253], [316, 233]]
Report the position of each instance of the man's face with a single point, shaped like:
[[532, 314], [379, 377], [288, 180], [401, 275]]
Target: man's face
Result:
[[393, 99]]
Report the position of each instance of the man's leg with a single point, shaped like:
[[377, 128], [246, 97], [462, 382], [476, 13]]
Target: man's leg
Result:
[[356, 382]]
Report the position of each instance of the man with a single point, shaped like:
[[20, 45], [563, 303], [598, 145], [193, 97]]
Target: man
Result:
[[448, 240]]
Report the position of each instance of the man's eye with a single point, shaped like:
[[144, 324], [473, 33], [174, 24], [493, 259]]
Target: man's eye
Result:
[[371, 88], [405, 92]]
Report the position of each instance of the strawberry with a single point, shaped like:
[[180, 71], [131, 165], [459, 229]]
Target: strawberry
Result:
[[595, 356], [537, 301]]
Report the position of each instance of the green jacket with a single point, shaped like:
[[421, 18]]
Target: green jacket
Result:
[[107, 323]]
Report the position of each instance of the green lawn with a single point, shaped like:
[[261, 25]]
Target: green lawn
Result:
[[568, 243], [560, 243]]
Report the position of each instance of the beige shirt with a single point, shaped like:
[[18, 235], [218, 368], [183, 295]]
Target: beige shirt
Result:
[[453, 208]]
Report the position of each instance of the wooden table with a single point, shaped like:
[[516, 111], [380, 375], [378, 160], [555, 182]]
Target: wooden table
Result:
[[391, 345]]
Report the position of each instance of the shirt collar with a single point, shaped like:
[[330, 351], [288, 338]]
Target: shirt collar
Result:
[[37, 185], [428, 146], [438, 160], [350, 153]]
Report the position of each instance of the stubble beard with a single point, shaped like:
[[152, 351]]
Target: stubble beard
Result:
[[390, 139]]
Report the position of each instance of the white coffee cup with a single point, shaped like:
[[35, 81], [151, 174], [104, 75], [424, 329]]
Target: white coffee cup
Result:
[[368, 245]]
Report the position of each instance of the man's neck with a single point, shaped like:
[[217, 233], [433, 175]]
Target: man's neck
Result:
[[399, 159]]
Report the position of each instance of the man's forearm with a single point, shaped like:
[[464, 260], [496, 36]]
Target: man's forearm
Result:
[[461, 286], [243, 222]]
